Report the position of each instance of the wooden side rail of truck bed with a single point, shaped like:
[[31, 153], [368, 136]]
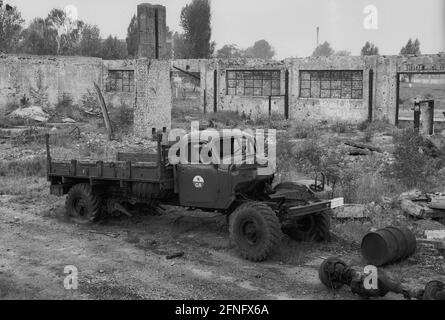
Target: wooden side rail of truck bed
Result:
[[150, 168]]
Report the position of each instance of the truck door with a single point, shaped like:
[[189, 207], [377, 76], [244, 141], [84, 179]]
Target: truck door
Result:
[[198, 184]]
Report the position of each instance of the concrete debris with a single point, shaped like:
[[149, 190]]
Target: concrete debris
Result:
[[437, 201], [435, 234], [68, 120], [350, 211], [30, 113], [414, 194], [423, 205]]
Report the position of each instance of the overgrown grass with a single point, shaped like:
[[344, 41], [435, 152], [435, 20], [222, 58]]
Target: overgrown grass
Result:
[[227, 118], [379, 125], [358, 180], [35, 166], [66, 109], [413, 166], [29, 187]]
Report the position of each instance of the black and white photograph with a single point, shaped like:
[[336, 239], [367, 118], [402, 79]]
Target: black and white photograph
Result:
[[222, 156]]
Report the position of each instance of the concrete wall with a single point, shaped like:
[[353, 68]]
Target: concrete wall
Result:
[[329, 109], [153, 103], [45, 80], [152, 32], [250, 106], [385, 70], [114, 99]]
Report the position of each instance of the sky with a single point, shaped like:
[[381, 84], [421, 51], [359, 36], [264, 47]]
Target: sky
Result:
[[288, 25]]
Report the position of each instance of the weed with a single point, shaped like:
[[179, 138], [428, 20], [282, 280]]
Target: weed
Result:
[[122, 118], [35, 166]]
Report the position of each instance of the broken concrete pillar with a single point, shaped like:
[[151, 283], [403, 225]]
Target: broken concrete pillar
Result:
[[427, 117], [152, 29], [154, 97]]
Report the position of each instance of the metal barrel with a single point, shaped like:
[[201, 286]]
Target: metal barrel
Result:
[[388, 245]]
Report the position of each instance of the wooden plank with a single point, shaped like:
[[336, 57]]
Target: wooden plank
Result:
[[137, 157], [104, 111]]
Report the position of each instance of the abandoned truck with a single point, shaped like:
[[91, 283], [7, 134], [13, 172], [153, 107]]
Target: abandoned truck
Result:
[[257, 212]]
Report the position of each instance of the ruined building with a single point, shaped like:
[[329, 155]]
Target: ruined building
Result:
[[336, 88]]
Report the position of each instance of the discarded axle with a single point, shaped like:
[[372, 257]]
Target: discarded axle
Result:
[[334, 273]]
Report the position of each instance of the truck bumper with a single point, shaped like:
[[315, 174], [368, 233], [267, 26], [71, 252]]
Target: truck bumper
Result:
[[297, 211]]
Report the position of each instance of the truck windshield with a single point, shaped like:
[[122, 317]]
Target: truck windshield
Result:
[[237, 148]]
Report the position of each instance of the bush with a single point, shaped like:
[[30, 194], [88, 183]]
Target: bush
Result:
[[367, 137], [379, 125], [121, 118], [227, 118], [340, 127], [304, 130], [412, 166], [66, 109]]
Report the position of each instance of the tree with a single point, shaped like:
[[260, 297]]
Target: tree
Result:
[[323, 50], [369, 49], [195, 20], [133, 37], [10, 28], [411, 47], [39, 39], [229, 51], [114, 49], [90, 43], [261, 49], [180, 50], [57, 34]]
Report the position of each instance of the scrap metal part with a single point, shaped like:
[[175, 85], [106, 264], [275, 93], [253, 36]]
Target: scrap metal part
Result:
[[334, 274]]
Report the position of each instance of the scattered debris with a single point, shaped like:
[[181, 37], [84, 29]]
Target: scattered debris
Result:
[[334, 274], [435, 234], [388, 245], [359, 152], [109, 234], [104, 112], [423, 205], [350, 211], [362, 146], [30, 113], [175, 255], [68, 120]]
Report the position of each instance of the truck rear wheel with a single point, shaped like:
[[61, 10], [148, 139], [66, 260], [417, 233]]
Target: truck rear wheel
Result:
[[255, 229], [82, 205], [313, 227]]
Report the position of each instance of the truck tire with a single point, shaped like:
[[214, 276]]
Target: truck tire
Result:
[[256, 230], [82, 205], [313, 227]]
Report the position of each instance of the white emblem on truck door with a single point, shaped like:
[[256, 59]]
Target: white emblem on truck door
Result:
[[198, 181]]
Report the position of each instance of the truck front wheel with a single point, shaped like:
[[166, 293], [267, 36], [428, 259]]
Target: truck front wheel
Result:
[[256, 230], [82, 205]]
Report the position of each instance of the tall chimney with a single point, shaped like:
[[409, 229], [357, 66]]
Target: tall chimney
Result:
[[318, 33]]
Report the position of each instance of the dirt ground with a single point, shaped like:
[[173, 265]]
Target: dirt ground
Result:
[[126, 257]]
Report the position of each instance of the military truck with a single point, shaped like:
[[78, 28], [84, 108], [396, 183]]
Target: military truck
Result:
[[257, 212]]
